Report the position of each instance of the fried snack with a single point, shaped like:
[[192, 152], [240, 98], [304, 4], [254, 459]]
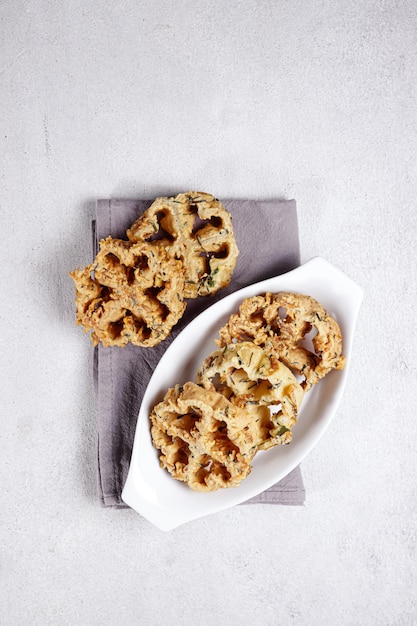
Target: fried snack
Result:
[[131, 293], [203, 439], [280, 323], [256, 381], [196, 228]]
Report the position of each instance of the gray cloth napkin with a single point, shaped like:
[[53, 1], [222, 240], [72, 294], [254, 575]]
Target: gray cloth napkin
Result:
[[267, 237]]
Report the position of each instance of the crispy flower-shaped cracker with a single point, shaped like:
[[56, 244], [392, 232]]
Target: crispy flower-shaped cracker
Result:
[[131, 293], [283, 323], [256, 381], [135, 290], [203, 439], [196, 228], [259, 377]]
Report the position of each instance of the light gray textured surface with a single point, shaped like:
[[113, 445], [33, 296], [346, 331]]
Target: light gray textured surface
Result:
[[313, 101]]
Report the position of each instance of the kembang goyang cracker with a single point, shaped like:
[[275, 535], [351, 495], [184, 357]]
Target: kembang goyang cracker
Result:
[[270, 354], [135, 290]]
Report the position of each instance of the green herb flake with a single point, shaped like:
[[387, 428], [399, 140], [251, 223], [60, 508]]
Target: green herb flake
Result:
[[283, 430]]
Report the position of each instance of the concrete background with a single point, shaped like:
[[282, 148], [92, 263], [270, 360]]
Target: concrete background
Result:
[[308, 100]]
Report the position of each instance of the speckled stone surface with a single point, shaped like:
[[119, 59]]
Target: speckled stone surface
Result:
[[312, 101]]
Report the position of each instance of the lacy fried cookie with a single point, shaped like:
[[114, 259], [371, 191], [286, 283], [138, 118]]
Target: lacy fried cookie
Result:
[[283, 323], [203, 439], [135, 290], [257, 382], [131, 293], [196, 228], [247, 394]]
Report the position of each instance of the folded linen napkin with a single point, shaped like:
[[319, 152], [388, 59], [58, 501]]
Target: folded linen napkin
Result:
[[267, 237]]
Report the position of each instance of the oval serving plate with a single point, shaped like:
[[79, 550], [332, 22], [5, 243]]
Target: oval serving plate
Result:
[[168, 503]]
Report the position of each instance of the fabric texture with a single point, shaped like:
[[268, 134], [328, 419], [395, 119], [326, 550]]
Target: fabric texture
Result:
[[267, 236]]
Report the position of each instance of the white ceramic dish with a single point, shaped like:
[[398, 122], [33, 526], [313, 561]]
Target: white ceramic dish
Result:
[[168, 503]]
